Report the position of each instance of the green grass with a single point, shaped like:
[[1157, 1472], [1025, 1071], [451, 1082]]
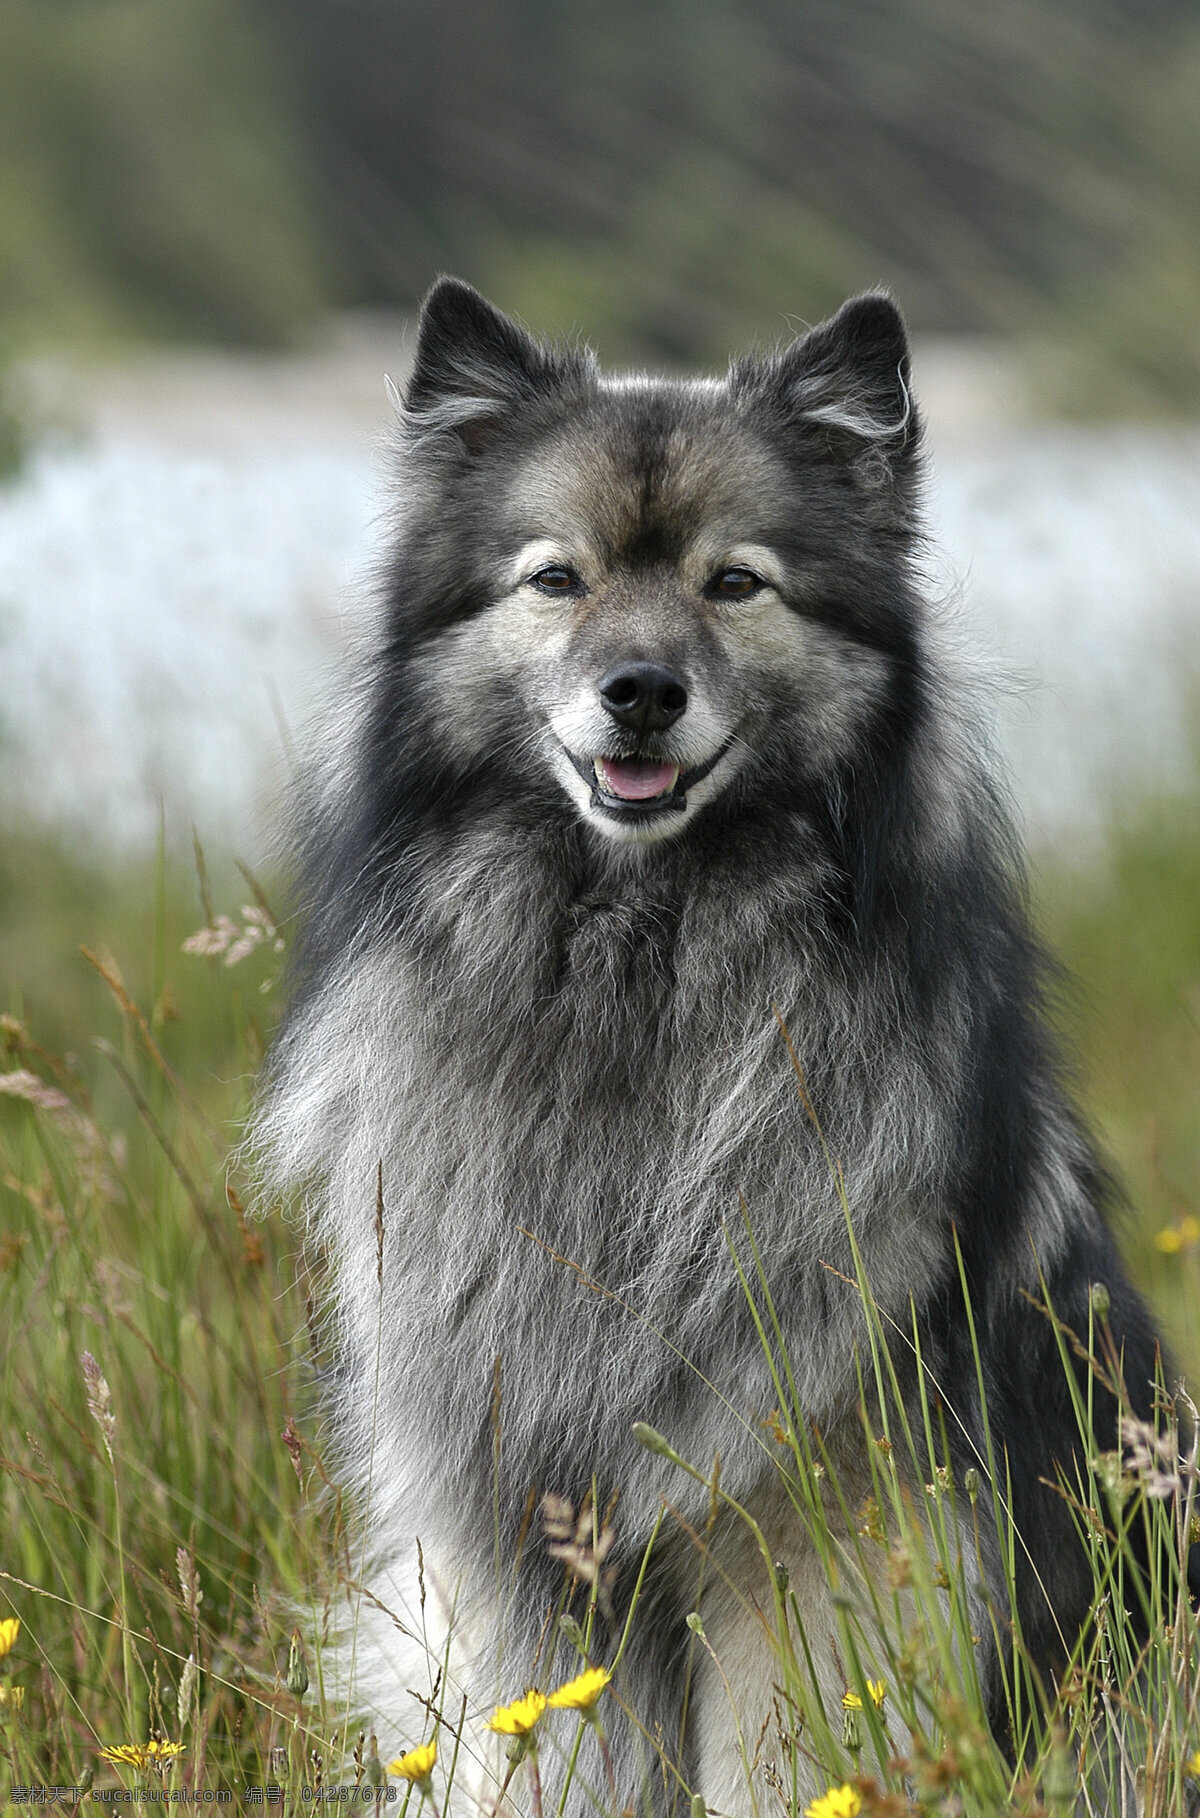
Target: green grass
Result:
[[124, 1239], [1127, 925], [157, 1512]]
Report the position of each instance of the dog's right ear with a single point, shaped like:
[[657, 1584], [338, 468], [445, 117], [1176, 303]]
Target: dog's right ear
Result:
[[473, 366]]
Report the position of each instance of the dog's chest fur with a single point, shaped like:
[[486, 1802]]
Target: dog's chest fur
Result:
[[575, 1087]]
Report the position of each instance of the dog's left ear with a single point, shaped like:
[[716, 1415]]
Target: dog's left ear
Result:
[[847, 381], [474, 366]]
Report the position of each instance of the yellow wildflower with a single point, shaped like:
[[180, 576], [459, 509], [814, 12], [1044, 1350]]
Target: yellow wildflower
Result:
[[417, 1765], [877, 1690], [580, 1694], [12, 1697], [518, 1718], [1192, 1765], [125, 1754], [1182, 1236], [838, 1802], [10, 1628], [142, 1754]]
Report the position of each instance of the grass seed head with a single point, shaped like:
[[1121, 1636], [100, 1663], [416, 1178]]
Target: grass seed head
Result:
[[99, 1400], [297, 1672], [189, 1581], [187, 1692]]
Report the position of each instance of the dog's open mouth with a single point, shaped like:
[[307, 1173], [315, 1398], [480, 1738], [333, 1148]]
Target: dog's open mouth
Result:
[[635, 779], [640, 785]]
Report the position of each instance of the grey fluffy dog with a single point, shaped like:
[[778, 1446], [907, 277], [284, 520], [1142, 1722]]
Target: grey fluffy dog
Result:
[[656, 746]]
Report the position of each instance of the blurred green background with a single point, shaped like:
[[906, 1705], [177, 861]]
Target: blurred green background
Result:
[[671, 174]]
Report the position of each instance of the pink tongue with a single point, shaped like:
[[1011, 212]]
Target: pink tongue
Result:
[[634, 780]]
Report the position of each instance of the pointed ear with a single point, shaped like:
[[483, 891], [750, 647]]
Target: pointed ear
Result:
[[849, 378], [473, 365]]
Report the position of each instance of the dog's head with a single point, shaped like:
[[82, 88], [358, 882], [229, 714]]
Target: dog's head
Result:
[[653, 595]]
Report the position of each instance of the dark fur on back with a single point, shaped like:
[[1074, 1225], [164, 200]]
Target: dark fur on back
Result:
[[537, 1028]]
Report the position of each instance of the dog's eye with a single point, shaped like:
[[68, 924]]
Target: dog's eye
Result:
[[555, 579], [737, 583]]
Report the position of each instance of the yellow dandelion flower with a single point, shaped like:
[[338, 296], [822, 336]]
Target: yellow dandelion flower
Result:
[[417, 1765], [1192, 1765], [518, 1718], [10, 1628], [125, 1754], [838, 1802], [142, 1754], [1168, 1240], [580, 1694], [877, 1691]]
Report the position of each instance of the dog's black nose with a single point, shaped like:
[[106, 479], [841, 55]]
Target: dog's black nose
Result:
[[644, 696]]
